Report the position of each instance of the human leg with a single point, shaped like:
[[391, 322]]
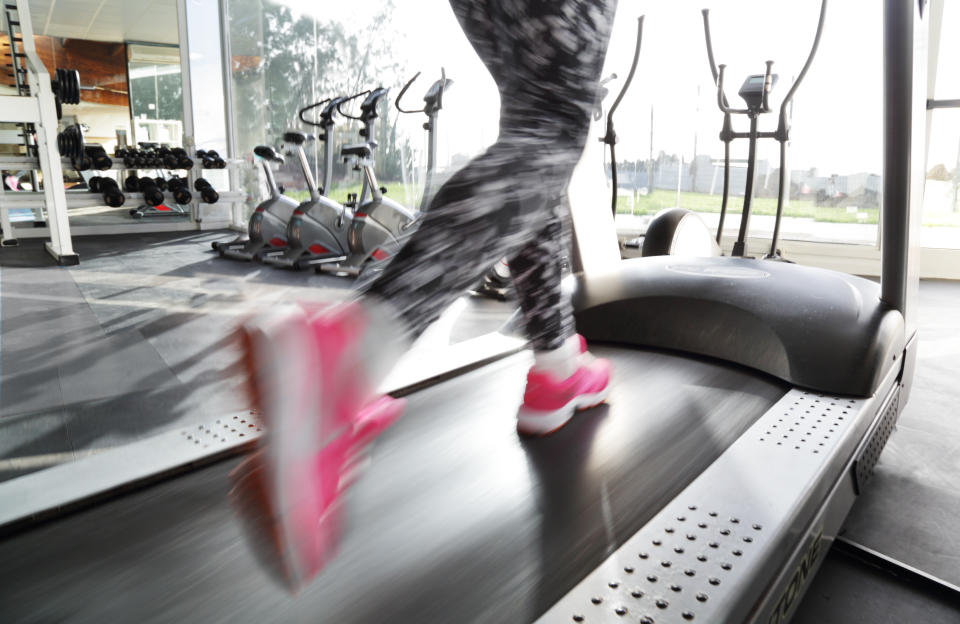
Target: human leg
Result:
[[319, 415]]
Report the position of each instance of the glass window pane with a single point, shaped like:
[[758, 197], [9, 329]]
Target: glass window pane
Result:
[[669, 124], [289, 54], [941, 204]]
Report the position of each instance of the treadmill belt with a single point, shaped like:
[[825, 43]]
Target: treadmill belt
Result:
[[455, 519]]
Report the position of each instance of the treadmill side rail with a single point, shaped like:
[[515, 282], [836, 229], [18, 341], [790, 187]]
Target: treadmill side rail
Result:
[[742, 541]]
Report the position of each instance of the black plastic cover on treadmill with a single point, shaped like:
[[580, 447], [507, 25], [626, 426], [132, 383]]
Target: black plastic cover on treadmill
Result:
[[819, 329]]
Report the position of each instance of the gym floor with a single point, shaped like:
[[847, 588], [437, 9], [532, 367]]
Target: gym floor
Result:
[[136, 340]]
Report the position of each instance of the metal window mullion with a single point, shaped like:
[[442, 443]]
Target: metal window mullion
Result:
[[237, 215], [189, 141]]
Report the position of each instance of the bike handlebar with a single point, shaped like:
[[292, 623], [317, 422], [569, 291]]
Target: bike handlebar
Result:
[[349, 99], [433, 98], [326, 115]]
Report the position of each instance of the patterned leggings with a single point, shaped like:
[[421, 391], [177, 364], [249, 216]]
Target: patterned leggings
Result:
[[546, 57]]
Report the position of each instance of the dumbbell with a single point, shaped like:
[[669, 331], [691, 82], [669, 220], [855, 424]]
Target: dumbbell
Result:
[[218, 163], [183, 159], [207, 193], [206, 161], [167, 157], [94, 184], [180, 189], [148, 152], [151, 159], [98, 156], [160, 182], [152, 195], [211, 159], [128, 155], [82, 163], [112, 195], [132, 183]]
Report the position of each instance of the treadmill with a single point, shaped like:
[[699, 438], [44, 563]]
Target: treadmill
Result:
[[750, 402]]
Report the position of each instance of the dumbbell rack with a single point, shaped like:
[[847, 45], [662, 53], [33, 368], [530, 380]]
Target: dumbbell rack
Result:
[[35, 109], [88, 199]]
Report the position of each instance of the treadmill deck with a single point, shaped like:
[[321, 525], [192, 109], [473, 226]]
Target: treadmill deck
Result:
[[455, 519]]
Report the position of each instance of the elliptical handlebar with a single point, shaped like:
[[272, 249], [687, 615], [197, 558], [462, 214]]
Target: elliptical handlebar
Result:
[[717, 71], [717, 74], [633, 70], [767, 88], [610, 135], [782, 127]]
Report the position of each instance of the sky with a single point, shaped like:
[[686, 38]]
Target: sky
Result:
[[837, 110]]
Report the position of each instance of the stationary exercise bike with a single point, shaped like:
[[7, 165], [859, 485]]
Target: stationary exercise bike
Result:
[[373, 223], [432, 103], [317, 231], [267, 228]]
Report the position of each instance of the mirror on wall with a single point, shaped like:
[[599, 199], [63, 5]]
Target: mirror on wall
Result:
[[156, 93]]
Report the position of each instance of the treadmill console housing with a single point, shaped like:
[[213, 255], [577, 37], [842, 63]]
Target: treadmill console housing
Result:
[[817, 329]]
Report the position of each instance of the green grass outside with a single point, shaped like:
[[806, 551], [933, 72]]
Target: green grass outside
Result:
[[659, 199]]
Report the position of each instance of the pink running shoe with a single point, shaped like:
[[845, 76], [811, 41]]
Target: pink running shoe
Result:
[[549, 403], [307, 380]]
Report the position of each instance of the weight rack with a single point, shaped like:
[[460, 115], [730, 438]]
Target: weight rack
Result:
[[35, 110]]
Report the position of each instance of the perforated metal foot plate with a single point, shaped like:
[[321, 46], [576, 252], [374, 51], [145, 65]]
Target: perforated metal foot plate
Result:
[[725, 549]]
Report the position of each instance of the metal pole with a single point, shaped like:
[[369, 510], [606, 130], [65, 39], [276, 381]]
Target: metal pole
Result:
[[679, 177], [740, 247], [783, 191], [237, 210], [726, 188], [903, 154], [55, 199]]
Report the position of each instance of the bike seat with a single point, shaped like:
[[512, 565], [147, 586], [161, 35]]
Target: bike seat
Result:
[[361, 150], [268, 153], [297, 138]]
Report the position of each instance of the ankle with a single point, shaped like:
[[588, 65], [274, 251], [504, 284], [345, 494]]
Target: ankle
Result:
[[561, 362]]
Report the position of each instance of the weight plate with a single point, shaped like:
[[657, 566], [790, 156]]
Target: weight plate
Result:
[[74, 79], [56, 84]]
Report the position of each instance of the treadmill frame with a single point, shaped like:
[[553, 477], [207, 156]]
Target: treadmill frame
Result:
[[800, 502], [741, 542]]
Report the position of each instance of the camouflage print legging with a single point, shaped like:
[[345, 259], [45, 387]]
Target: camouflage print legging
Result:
[[546, 57]]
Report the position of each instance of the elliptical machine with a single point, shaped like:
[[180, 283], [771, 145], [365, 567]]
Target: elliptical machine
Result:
[[267, 228], [317, 231], [668, 227]]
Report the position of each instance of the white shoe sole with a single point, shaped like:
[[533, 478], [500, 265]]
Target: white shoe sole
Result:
[[540, 423]]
